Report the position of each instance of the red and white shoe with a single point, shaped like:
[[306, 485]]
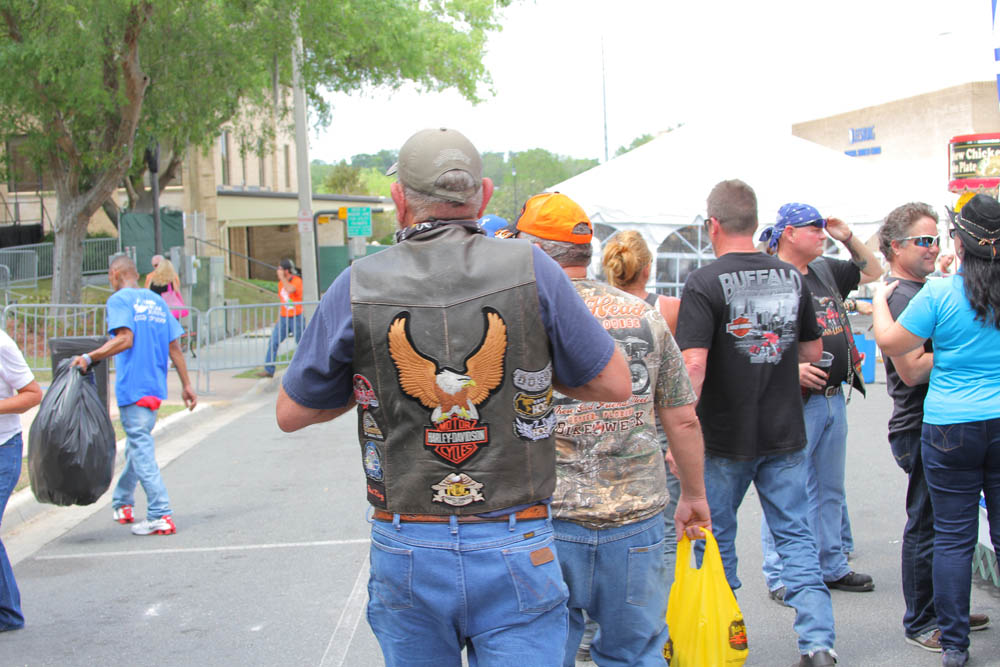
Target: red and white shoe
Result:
[[123, 514], [161, 526]]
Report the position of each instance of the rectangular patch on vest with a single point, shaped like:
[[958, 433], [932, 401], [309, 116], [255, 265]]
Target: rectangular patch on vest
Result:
[[376, 493], [542, 556]]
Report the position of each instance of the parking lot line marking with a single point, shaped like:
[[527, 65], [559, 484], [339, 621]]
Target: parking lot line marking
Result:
[[347, 624], [192, 550]]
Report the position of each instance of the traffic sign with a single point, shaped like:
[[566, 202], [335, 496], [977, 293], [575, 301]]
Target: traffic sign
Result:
[[359, 221]]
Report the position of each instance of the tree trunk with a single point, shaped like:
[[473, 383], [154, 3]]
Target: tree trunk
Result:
[[67, 256]]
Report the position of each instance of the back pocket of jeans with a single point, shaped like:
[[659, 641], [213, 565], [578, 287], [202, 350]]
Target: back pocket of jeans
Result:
[[391, 575], [645, 573], [539, 587], [946, 438]]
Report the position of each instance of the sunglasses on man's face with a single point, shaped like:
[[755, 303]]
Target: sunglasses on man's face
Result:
[[923, 241], [819, 224]]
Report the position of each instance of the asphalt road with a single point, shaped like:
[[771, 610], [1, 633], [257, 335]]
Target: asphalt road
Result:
[[269, 564]]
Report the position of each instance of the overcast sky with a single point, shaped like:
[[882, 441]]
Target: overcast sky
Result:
[[671, 61]]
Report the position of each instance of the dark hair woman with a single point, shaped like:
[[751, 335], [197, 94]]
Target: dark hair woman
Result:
[[960, 438]]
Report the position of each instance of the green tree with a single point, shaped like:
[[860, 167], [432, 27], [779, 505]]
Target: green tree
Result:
[[89, 84], [638, 141], [518, 176], [318, 171], [344, 179]]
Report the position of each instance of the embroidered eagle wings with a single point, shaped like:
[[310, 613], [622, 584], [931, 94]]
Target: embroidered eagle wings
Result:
[[446, 391]]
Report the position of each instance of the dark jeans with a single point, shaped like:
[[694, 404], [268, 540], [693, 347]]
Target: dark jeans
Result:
[[960, 460], [918, 537], [10, 597]]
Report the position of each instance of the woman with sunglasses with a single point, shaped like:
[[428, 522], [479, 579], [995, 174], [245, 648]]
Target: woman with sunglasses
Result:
[[960, 436]]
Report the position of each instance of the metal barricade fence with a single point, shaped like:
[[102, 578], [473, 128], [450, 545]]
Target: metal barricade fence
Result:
[[23, 265], [32, 325], [239, 337]]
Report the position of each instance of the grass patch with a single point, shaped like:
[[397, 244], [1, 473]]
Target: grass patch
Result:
[[246, 294], [164, 412], [269, 285]]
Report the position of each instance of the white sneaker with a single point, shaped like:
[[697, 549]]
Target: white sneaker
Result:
[[161, 526], [123, 514]]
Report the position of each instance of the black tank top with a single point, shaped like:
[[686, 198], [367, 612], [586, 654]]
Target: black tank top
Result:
[[159, 289]]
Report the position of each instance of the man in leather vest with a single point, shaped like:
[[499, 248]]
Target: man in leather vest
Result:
[[450, 344], [611, 486], [799, 236]]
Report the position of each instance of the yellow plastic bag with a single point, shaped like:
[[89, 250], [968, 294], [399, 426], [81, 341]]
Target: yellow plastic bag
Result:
[[706, 625]]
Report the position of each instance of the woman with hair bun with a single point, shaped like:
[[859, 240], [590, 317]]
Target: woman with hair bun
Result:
[[628, 263]]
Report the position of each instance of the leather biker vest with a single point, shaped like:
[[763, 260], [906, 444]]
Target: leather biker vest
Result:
[[453, 377]]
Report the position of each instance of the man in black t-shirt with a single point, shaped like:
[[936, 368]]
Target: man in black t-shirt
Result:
[[745, 322], [800, 236], [909, 240]]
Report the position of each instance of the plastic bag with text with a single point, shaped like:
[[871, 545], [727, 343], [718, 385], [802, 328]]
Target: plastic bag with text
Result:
[[706, 625], [71, 444]]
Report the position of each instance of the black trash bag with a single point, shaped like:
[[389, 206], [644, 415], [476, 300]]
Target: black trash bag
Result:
[[71, 445]]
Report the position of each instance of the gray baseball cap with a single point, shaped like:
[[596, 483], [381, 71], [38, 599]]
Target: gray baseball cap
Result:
[[429, 153]]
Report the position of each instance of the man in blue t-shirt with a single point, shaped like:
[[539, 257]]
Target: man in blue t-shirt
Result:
[[145, 335]]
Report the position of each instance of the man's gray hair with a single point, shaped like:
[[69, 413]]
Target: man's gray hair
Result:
[[426, 206], [564, 252]]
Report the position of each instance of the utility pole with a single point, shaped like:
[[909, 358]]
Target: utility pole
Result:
[[604, 97], [307, 230], [152, 156]]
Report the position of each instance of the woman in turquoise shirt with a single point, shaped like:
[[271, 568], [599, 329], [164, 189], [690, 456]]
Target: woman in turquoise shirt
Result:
[[960, 440]]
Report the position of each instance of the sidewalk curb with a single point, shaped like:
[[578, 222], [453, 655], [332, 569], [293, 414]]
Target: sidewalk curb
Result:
[[22, 506]]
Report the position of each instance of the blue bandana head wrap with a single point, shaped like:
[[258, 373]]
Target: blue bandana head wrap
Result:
[[789, 215]]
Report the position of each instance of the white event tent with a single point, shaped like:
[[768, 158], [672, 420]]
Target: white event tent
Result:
[[662, 185]]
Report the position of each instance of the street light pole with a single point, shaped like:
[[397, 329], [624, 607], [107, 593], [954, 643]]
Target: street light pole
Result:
[[307, 229]]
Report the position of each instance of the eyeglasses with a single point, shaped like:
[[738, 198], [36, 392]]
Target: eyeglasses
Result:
[[922, 241], [820, 224]]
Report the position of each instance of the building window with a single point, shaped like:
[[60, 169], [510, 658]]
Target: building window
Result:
[[23, 175], [288, 168], [224, 154]]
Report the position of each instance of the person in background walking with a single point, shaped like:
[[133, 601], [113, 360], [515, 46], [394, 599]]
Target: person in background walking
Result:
[[163, 276], [960, 436], [290, 314], [18, 393], [145, 335]]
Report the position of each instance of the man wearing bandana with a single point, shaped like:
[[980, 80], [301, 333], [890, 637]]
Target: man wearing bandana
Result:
[[799, 237], [451, 344]]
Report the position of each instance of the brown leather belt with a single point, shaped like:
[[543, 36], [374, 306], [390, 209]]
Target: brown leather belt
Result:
[[533, 512], [829, 391]]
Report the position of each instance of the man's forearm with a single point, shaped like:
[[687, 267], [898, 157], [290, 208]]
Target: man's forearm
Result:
[[863, 258], [683, 431], [180, 363]]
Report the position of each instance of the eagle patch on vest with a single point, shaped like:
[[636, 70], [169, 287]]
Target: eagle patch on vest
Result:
[[456, 433], [457, 489]]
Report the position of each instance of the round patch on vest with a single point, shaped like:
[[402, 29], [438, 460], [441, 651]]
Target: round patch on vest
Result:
[[373, 462]]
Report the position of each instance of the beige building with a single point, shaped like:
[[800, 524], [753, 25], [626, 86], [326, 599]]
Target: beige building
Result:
[[912, 129], [241, 200]]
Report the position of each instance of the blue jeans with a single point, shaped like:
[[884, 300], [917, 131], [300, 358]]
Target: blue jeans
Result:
[[670, 541], [140, 463], [494, 588], [616, 576], [284, 326], [918, 536], [781, 484], [10, 598], [826, 452], [960, 460]]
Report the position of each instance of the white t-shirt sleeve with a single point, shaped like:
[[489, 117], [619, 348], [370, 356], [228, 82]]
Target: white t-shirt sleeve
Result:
[[14, 371]]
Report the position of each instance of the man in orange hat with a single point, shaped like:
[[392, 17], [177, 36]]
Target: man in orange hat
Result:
[[611, 486]]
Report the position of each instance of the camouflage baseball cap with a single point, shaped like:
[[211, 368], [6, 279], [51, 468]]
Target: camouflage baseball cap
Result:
[[430, 153]]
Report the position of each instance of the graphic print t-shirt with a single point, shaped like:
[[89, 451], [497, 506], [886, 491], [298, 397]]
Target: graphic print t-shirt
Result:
[[830, 316], [142, 369], [609, 466], [749, 310], [908, 402]]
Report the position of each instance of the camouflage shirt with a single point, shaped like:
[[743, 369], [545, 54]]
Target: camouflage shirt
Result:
[[609, 467]]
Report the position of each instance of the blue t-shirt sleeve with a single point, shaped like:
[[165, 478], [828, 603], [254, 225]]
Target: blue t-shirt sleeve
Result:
[[120, 314], [920, 315], [319, 375], [581, 348]]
